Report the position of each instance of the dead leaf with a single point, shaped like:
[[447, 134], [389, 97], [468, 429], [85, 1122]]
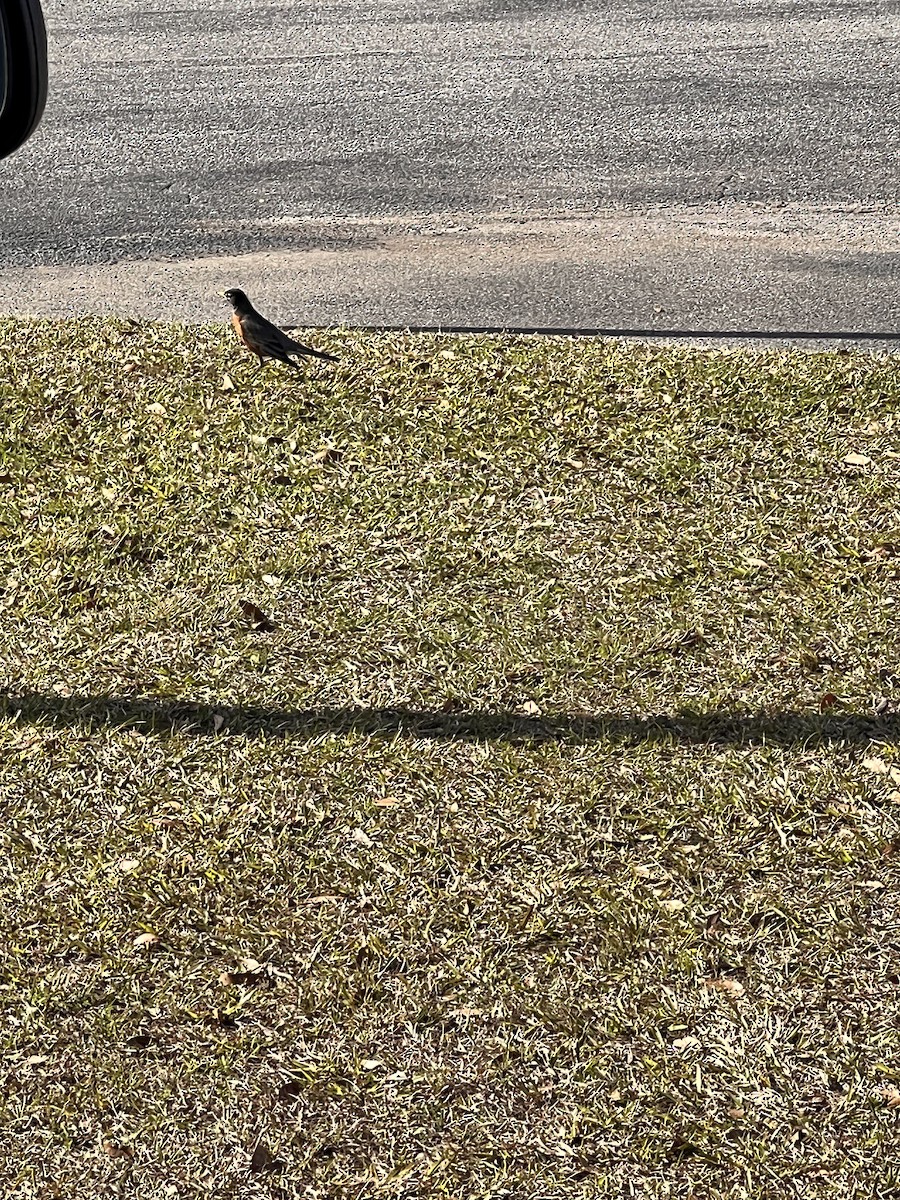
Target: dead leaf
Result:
[[876, 765], [857, 460], [737, 1114], [872, 885], [730, 986], [272, 580], [257, 618], [34, 1060], [614, 1095], [530, 709], [262, 1158], [146, 941], [220, 1018], [327, 455], [227, 384], [117, 1149], [248, 976], [362, 838], [126, 865], [889, 1094], [139, 1041], [672, 905], [829, 700], [371, 1064], [686, 1043], [158, 410], [386, 801], [683, 641]]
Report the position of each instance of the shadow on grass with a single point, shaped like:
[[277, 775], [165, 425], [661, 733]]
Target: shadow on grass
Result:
[[169, 716]]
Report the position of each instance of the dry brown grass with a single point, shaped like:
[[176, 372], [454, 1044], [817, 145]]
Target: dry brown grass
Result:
[[540, 843]]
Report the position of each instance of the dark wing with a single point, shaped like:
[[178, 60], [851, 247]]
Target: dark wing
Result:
[[271, 342], [264, 338]]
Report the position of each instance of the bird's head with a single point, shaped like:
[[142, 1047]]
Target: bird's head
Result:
[[236, 298]]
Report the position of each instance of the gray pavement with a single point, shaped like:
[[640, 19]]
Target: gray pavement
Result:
[[707, 168]]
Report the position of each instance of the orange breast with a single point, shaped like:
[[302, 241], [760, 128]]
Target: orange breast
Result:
[[238, 329]]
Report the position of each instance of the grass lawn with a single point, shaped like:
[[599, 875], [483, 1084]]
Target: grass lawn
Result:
[[468, 771]]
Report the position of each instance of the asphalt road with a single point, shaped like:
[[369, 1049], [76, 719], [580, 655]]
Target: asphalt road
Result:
[[717, 167]]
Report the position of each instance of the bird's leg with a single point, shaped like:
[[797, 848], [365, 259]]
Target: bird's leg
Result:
[[262, 362]]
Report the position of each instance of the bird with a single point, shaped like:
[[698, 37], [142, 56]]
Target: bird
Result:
[[262, 337]]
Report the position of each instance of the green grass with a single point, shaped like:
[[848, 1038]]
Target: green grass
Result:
[[542, 840]]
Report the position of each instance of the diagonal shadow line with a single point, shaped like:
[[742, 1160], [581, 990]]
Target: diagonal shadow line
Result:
[[812, 335], [722, 727]]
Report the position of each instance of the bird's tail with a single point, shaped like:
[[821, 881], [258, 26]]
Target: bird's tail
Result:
[[298, 348]]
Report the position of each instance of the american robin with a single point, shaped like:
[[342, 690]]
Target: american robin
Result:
[[262, 337]]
